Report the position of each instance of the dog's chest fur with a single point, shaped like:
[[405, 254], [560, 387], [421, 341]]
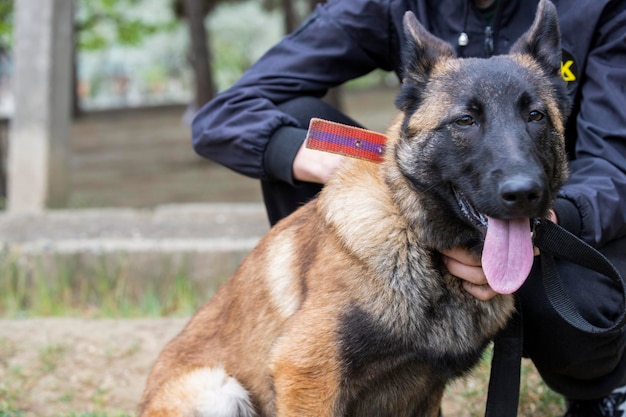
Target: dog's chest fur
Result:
[[408, 326]]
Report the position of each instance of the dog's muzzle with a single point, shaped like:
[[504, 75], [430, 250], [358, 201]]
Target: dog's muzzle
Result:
[[470, 212]]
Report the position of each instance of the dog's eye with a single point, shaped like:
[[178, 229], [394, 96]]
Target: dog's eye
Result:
[[535, 116], [465, 121]]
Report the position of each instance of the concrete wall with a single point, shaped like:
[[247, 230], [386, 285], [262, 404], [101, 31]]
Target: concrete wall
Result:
[[39, 133]]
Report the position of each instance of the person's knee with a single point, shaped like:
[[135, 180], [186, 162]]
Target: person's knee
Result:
[[573, 362], [601, 358], [590, 374]]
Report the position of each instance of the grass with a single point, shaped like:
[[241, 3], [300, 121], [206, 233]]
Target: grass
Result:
[[10, 413], [17, 380], [66, 287], [536, 398]]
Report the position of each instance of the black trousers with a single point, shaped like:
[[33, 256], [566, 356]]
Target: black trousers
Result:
[[575, 364]]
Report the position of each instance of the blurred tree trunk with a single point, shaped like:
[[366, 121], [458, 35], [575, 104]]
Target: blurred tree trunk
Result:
[[199, 55], [289, 16], [76, 108]]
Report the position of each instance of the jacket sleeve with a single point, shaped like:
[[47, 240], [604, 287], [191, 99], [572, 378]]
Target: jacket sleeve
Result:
[[597, 184], [340, 41]]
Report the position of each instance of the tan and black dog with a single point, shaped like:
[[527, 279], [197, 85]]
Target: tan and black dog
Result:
[[345, 307]]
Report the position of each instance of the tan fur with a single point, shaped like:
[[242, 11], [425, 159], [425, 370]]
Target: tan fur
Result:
[[345, 307]]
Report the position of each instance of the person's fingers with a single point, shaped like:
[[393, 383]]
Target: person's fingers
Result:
[[471, 272], [467, 267], [482, 292]]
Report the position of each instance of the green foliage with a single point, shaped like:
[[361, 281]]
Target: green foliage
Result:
[[6, 29], [66, 287], [101, 23], [256, 32]]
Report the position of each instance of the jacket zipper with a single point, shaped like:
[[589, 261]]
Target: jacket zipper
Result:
[[489, 40]]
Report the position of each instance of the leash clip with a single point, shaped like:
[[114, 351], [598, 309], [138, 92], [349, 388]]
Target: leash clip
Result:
[[535, 228]]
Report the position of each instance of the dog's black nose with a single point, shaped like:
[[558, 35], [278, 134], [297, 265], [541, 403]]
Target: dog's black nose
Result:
[[521, 194]]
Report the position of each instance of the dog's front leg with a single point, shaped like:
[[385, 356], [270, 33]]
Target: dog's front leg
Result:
[[306, 393], [307, 374]]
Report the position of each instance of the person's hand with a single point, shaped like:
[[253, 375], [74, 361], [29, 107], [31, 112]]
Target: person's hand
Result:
[[464, 265], [311, 165], [553, 217]]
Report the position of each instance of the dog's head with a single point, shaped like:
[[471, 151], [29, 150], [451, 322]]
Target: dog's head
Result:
[[482, 138]]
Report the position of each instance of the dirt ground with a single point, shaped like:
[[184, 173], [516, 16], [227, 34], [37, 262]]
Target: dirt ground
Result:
[[54, 366], [60, 366]]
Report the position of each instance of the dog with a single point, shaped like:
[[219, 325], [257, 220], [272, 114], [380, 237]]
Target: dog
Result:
[[345, 308]]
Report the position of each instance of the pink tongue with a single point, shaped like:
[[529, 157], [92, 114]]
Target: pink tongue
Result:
[[507, 254]]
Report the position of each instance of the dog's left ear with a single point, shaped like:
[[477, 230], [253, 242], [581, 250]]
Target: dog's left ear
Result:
[[543, 40], [421, 52]]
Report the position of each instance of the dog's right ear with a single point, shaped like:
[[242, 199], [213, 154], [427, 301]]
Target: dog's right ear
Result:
[[421, 52]]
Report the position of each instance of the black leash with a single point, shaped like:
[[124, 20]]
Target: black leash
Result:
[[552, 241], [504, 381]]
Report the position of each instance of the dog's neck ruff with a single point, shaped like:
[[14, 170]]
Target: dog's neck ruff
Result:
[[351, 141]]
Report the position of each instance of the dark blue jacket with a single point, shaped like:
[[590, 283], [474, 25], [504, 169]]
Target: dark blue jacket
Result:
[[344, 39]]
